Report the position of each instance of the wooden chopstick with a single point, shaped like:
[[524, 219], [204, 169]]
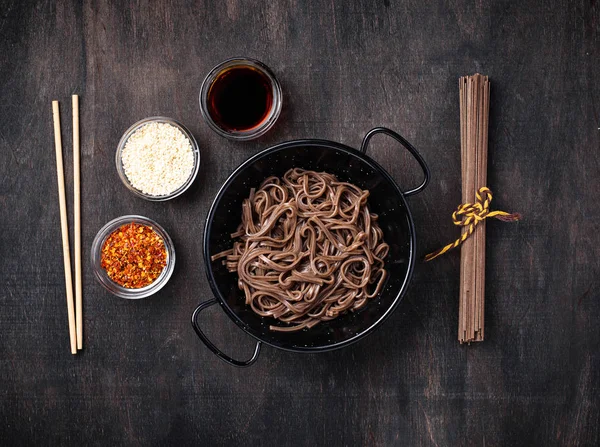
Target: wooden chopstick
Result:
[[64, 226], [77, 219]]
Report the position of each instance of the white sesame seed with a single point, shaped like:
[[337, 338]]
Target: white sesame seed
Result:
[[158, 159]]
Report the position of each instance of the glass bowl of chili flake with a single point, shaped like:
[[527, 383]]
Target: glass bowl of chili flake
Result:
[[133, 257]]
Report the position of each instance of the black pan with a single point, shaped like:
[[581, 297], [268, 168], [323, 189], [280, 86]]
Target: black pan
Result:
[[348, 164]]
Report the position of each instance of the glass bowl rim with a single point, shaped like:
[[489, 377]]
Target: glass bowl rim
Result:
[[109, 284], [139, 124], [254, 132]]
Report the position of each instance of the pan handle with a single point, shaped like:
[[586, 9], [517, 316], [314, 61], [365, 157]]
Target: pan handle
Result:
[[408, 146], [212, 347]]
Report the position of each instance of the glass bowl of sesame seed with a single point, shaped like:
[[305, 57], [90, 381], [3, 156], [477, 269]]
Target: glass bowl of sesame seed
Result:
[[157, 158], [132, 257]]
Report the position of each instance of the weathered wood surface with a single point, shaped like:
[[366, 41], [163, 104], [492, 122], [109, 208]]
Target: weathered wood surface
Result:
[[145, 378]]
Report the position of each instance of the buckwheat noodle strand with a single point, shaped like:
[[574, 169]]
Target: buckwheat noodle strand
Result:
[[307, 250]]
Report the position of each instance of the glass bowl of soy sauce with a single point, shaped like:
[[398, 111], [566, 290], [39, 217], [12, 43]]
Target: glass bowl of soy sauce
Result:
[[240, 99]]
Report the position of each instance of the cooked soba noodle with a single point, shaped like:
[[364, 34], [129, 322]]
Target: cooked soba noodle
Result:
[[307, 250]]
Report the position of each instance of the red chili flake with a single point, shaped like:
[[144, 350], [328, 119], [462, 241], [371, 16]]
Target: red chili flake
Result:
[[133, 256]]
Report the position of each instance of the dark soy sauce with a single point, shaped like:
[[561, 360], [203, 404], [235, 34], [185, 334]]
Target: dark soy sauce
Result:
[[240, 98]]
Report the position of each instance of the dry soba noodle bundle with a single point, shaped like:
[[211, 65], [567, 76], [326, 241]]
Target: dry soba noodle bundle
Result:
[[307, 249]]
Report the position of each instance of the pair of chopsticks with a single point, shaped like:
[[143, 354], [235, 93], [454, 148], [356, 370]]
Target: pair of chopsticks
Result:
[[75, 312]]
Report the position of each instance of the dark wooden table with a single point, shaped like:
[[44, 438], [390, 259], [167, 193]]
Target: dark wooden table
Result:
[[145, 378]]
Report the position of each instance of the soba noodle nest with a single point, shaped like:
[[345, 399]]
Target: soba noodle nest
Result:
[[307, 250]]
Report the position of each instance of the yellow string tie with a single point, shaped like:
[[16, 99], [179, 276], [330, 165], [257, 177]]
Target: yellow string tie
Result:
[[469, 215]]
